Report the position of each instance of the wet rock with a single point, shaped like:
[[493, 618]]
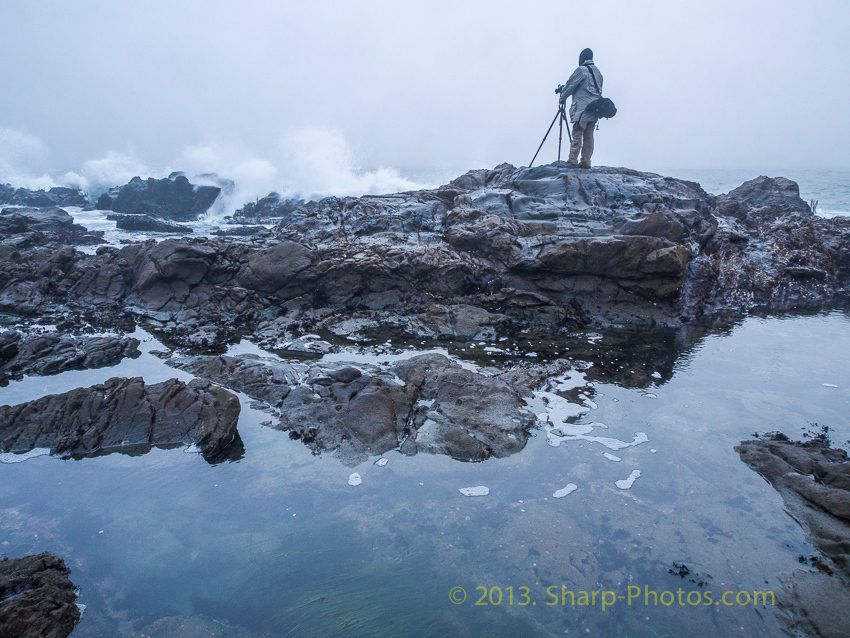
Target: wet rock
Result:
[[27, 227], [547, 247], [270, 207], [56, 196], [52, 353], [764, 198], [424, 404], [148, 223], [171, 198], [37, 598], [814, 481], [124, 415]]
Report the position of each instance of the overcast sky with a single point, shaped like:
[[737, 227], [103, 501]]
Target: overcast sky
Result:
[[319, 95]]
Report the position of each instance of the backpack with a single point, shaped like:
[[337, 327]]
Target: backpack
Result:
[[601, 106]]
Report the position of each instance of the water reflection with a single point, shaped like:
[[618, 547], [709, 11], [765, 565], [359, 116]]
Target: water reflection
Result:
[[280, 544]]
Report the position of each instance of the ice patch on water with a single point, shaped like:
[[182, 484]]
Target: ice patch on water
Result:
[[626, 483], [11, 457], [611, 457], [829, 385], [381, 462], [354, 480], [569, 489], [653, 450], [649, 395], [479, 490]]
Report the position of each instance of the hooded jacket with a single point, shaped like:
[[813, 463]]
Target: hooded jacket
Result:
[[581, 87]]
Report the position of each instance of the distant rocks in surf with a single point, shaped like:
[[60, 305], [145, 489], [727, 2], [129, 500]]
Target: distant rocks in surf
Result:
[[173, 198], [272, 206], [147, 223], [57, 196]]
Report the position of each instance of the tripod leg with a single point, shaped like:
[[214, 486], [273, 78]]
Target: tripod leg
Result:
[[544, 138], [560, 135]]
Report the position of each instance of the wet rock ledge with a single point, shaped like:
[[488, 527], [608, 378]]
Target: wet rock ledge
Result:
[[814, 481], [37, 598], [124, 415]]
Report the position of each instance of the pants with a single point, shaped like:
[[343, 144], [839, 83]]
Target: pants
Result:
[[582, 141]]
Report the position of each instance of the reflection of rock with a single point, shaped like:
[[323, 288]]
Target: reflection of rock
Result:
[[37, 598], [814, 481], [147, 223], [423, 404], [170, 198], [53, 353], [124, 415]]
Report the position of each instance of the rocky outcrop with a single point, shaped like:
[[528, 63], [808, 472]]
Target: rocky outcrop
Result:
[[548, 246], [147, 223], [52, 353], [268, 208], [124, 415], [814, 481], [28, 227], [424, 404], [172, 198], [37, 598], [57, 196]]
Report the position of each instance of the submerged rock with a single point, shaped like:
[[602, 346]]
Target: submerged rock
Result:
[[37, 598], [52, 353], [124, 415], [170, 198]]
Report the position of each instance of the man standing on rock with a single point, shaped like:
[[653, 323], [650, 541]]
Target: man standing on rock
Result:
[[585, 85]]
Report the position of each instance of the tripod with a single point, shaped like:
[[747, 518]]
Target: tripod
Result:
[[563, 117]]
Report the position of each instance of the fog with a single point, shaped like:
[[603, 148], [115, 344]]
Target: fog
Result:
[[370, 96]]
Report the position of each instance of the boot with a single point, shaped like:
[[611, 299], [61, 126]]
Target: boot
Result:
[[584, 165], [572, 164]]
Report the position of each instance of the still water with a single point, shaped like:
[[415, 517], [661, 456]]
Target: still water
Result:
[[279, 544]]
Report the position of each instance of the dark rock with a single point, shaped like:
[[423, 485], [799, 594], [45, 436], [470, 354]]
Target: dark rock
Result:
[[37, 598], [148, 223], [57, 196], [814, 481], [242, 231], [765, 198], [440, 408], [104, 202], [28, 227], [169, 198], [547, 246], [267, 208], [124, 415], [53, 353]]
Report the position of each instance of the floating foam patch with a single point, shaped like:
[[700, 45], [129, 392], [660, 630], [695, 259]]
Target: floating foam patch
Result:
[[569, 489], [479, 490], [11, 457], [829, 385], [611, 457], [626, 483], [381, 462], [354, 480]]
